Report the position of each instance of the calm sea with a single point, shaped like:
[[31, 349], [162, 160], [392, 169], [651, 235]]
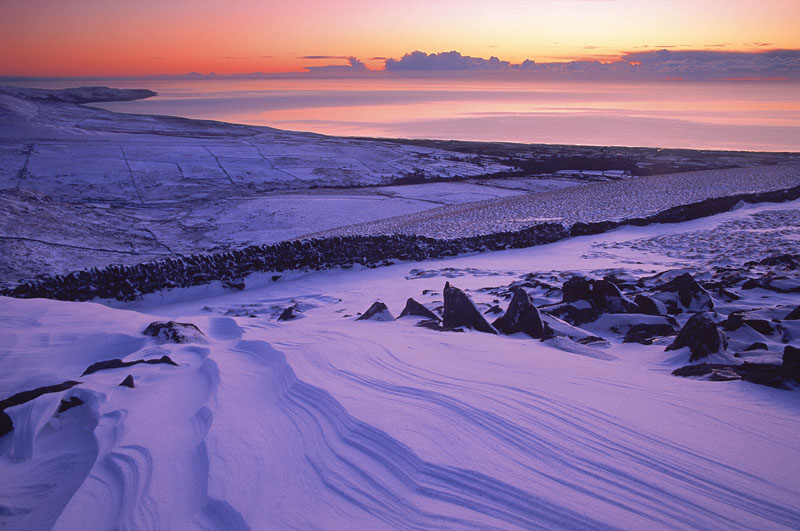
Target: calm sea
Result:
[[744, 115]]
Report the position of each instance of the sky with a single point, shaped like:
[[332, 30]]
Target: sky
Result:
[[156, 37]]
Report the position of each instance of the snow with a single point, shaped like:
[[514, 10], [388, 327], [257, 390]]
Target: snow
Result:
[[332, 423]]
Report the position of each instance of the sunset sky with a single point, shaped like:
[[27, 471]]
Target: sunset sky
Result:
[[116, 38]]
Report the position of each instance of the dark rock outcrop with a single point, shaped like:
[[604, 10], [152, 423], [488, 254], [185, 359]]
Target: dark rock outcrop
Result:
[[738, 319], [6, 425], [756, 346], [523, 316], [128, 382], [173, 332], [701, 335], [415, 308], [685, 291], [650, 306], [759, 373], [377, 312], [459, 310], [794, 315], [645, 333], [287, 314], [118, 364], [69, 403], [791, 356]]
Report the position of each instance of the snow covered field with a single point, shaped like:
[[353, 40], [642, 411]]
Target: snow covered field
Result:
[[326, 422]]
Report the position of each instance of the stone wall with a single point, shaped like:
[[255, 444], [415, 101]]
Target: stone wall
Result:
[[128, 282]]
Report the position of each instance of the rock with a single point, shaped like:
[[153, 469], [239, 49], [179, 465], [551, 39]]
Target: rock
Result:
[[794, 315], [459, 310], [127, 382], [118, 364], [576, 312], [287, 314], [701, 335], [493, 310], [237, 284], [6, 425], [726, 374], [174, 332], [691, 295], [576, 289], [377, 312], [791, 355], [27, 396], [522, 316], [415, 308], [737, 319], [650, 306], [645, 333], [756, 346], [70, 403]]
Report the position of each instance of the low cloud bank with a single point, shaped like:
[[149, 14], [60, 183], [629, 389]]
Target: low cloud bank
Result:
[[654, 64]]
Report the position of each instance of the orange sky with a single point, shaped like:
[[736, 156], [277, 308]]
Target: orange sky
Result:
[[119, 38]]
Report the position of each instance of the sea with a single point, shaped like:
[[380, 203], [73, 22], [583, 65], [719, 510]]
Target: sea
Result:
[[720, 115]]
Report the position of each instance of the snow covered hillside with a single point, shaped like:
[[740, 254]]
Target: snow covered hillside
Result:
[[277, 408]]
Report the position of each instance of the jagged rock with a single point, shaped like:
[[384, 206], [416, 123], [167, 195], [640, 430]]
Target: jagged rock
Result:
[[6, 425], [128, 382], [522, 316], [650, 306], [701, 335], [756, 346], [70, 403], [684, 289], [791, 355], [174, 332], [759, 373], [576, 289], [576, 313], [287, 314], [459, 310], [118, 364], [794, 315], [738, 319], [415, 308], [645, 333], [377, 312], [493, 310]]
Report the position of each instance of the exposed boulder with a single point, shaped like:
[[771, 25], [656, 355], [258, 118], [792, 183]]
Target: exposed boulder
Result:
[[791, 355], [794, 315], [69, 403], [118, 364], [701, 335], [174, 332], [6, 425], [128, 382], [738, 319], [287, 314], [459, 310], [377, 312], [646, 333], [759, 373], [684, 293], [650, 306], [756, 346], [415, 308], [576, 289], [523, 316]]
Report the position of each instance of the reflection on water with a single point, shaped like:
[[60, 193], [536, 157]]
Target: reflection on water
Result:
[[716, 115]]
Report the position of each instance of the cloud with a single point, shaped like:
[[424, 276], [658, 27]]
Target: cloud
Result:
[[710, 64], [443, 62], [325, 57], [355, 66], [642, 65]]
